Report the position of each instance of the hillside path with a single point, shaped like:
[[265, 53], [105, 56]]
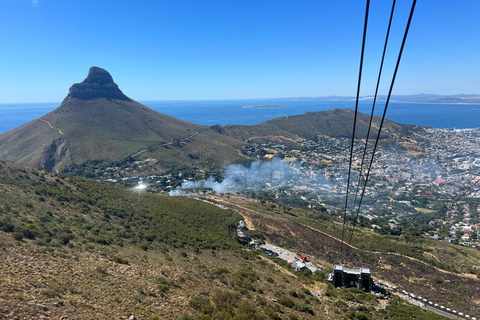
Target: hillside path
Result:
[[47, 122], [163, 144], [273, 136]]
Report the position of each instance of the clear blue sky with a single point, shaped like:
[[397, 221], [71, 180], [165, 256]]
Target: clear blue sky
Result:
[[226, 49]]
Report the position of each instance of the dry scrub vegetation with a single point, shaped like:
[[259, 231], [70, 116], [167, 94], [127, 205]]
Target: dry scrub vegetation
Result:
[[80, 249], [448, 282]]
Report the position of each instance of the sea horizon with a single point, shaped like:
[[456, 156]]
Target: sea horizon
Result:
[[233, 111]]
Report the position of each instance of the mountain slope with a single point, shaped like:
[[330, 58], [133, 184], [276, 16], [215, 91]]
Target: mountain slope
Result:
[[83, 250], [96, 121], [332, 123]]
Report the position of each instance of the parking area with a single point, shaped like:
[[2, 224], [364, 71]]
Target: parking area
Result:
[[289, 257]]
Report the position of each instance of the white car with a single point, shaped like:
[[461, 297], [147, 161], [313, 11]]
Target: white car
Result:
[[430, 302]]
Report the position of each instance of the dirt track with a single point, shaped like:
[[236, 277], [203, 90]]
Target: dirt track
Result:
[[47, 122]]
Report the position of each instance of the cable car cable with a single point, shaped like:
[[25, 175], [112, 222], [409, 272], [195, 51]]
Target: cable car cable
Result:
[[374, 103], [407, 28], [355, 121]]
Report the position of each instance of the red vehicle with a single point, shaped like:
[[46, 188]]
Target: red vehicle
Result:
[[302, 257]]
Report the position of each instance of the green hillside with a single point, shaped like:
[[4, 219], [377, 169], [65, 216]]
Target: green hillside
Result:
[[55, 211], [96, 121], [79, 249], [332, 123], [437, 271]]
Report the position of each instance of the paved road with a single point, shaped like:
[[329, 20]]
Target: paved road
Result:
[[441, 312], [288, 256], [283, 254], [428, 307]]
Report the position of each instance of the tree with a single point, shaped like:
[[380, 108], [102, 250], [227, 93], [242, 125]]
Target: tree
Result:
[[231, 224]]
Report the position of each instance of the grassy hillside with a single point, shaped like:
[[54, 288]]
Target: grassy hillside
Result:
[[54, 211], [437, 271], [96, 121], [102, 129], [88, 251], [333, 123]]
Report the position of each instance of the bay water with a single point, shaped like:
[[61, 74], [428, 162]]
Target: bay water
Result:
[[225, 112]]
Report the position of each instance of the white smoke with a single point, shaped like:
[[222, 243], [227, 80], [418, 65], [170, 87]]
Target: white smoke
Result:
[[259, 175]]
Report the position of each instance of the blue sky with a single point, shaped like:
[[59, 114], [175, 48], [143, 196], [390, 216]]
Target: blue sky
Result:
[[218, 49]]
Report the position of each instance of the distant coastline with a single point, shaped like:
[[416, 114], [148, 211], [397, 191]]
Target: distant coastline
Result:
[[233, 112], [264, 107]]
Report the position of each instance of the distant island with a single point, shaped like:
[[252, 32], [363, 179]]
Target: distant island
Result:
[[264, 107]]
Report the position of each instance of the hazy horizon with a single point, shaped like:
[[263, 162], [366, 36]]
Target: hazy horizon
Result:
[[327, 97]]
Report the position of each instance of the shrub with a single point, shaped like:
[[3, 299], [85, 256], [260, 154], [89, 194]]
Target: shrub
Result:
[[244, 279], [286, 301], [305, 309], [221, 271], [18, 236], [53, 290], [102, 270], [225, 299], [202, 304], [119, 259], [306, 292], [293, 293], [163, 288]]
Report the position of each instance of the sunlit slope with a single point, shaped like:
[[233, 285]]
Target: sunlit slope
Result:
[[437, 271], [97, 122], [332, 123], [78, 248], [92, 129]]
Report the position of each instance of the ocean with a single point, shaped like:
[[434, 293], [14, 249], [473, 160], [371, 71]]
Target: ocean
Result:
[[224, 112]]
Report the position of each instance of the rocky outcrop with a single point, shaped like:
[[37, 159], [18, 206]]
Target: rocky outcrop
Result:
[[98, 84], [56, 153]]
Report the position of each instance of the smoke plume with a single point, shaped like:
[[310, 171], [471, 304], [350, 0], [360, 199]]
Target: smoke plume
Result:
[[259, 175]]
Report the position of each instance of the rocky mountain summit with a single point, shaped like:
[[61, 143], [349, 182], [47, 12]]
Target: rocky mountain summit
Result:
[[98, 84]]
